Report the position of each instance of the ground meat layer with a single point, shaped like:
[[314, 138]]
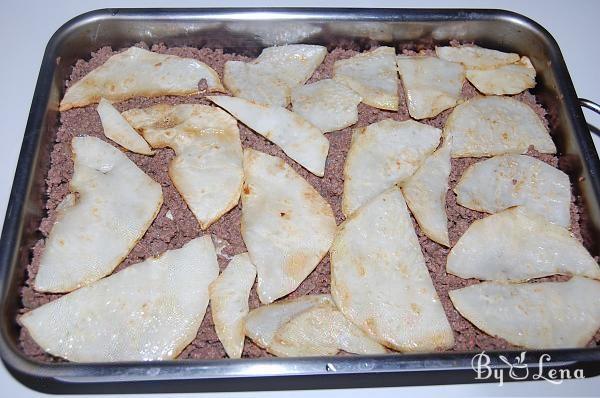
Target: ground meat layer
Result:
[[172, 232]]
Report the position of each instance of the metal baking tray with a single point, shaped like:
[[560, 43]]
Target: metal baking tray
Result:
[[247, 31]]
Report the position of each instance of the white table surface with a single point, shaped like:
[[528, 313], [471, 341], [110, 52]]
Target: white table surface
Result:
[[27, 26]]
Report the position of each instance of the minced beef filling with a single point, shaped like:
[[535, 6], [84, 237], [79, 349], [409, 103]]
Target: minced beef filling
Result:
[[173, 232]]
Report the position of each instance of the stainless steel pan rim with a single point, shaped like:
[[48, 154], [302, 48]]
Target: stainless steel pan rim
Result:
[[324, 372]]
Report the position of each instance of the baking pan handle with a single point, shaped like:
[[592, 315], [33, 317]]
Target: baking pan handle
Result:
[[593, 106], [586, 103]]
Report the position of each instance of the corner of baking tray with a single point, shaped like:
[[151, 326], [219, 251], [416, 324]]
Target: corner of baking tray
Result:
[[520, 19], [77, 21], [582, 131]]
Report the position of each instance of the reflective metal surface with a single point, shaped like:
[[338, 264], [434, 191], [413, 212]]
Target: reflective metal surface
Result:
[[591, 105], [247, 31]]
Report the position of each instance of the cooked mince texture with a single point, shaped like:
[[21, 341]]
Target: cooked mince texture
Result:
[[173, 231]]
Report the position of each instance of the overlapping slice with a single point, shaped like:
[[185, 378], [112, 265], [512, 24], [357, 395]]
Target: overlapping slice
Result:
[[117, 129], [488, 126], [262, 323], [431, 84], [207, 169], [505, 79], [383, 154], [372, 75], [286, 225], [517, 245], [111, 205], [294, 63], [137, 72], [321, 330], [269, 78], [229, 302], [425, 193], [492, 71], [148, 311], [516, 180], [380, 282], [326, 104], [474, 57], [299, 139], [534, 315], [245, 80]]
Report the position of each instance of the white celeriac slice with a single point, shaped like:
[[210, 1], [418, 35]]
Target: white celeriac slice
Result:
[[505, 181], [380, 282], [542, 315], [506, 79], [425, 194], [431, 84], [474, 57], [517, 245], [268, 79], [136, 72], [246, 80], [326, 104], [287, 226], [262, 323], [117, 129], [111, 205], [148, 311], [229, 302], [207, 169], [383, 154], [299, 139], [488, 126], [372, 75], [293, 63], [319, 331]]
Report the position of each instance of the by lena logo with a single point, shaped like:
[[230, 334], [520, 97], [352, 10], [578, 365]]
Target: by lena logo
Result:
[[520, 370]]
